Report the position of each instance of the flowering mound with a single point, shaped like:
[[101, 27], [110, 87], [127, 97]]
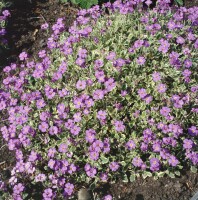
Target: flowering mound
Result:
[[116, 97]]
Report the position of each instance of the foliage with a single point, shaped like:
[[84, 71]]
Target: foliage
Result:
[[115, 97], [82, 3], [179, 2]]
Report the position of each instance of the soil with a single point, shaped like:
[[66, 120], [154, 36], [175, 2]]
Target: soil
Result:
[[24, 34], [190, 3], [166, 188]]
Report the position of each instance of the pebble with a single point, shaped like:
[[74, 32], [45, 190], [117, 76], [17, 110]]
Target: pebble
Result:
[[84, 194]]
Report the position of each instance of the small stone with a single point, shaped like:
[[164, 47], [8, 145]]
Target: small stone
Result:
[[84, 194]]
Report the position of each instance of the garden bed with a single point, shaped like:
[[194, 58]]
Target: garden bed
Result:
[[25, 34]]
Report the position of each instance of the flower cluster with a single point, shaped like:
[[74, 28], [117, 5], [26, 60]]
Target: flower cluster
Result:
[[115, 95]]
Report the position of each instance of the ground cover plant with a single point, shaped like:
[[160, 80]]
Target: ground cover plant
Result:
[[116, 97]]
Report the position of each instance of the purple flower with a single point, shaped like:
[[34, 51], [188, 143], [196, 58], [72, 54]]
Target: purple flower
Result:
[[165, 111], [47, 194], [33, 156], [18, 188], [53, 130], [173, 161], [98, 63], [89, 102], [188, 144], [44, 26], [103, 177], [2, 105], [154, 164], [68, 51], [142, 93], [69, 124], [180, 40], [193, 131], [75, 130], [71, 169], [111, 56], [164, 47], [90, 171], [123, 93], [98, 94], [81, 85], [51, 163], [107, 197], [156, 147], [100, 76], [23, 56], [148, 99], [156, 76], [6, 13], [63, 148], [82, 53], [138, 44], [94, 155], [144, 146], [40, 103], [80, 62], [119, 126], [187, 63], [119, 63], [186, 73], [110, 84], [42, 54], [77, 117], [51, 152], [43, 127], [78, 102], [44, 116], [101, 115], [191, 36], [68, 189], [90, 135], [141, 60], [193, 156], [137, 162], [40, 178], [130, 145], [161, 88], [114, 166]]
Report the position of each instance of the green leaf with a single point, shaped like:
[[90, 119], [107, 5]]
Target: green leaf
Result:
[[92, 186], [160, 174], [104, 160], [177, 173], [155, 177], [180, 2], [123, 163], [84, 4], [132, 177], [76, 1], [193, 169], [125, 179], [117, 136], [146, 174], [171, 175], [25, 195]]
